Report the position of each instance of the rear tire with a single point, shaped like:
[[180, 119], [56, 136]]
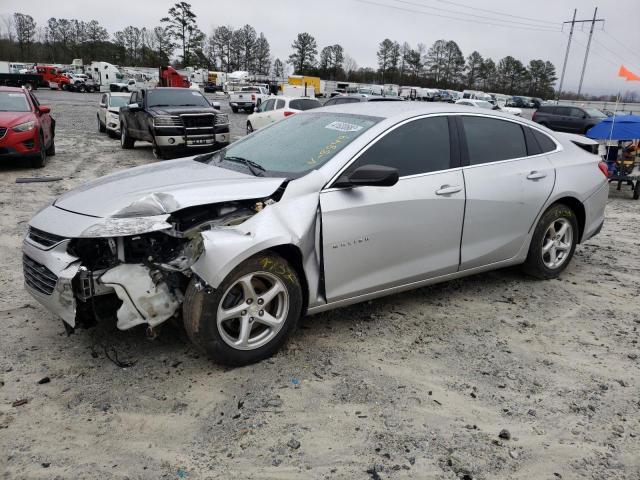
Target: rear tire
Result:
[[553, 243], [268, 324], [636, 190], [126, 142], [234, 109]]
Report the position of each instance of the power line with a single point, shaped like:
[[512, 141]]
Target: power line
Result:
[[422, 12], [620, 57], [497, 13], [473, 15], [622, 44]]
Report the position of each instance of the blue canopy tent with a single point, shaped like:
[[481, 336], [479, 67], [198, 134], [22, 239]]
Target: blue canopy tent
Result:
[[620, 128], [617, 127]]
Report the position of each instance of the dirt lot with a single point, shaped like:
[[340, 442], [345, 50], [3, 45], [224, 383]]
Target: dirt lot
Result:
[[417, 385]]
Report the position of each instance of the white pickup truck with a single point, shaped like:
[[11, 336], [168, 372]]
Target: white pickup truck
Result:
[[247, 99]]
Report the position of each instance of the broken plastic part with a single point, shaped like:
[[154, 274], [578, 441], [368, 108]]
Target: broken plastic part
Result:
[[143, 300]]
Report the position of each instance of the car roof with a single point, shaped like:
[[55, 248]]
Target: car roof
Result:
[[401, 110]]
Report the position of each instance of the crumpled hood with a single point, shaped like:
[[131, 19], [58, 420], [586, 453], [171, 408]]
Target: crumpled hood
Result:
[[164, 188]]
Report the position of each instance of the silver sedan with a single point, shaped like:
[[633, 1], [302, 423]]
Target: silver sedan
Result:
[[327, 208]]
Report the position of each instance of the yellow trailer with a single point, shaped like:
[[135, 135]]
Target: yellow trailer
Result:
[[302, 80]]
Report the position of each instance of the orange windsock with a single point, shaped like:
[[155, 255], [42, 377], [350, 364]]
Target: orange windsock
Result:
[[629, 75]]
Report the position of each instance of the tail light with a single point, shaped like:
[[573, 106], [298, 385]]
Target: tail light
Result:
[[604, 168], [288, 113], [253, 98]]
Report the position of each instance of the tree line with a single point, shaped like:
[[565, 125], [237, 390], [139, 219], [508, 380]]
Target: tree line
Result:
[[229, 49]]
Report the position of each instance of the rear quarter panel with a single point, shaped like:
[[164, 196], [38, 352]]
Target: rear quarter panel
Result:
[[578, 176]]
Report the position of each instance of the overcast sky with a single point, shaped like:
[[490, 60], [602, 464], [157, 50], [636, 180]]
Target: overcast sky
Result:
[[360, 25]]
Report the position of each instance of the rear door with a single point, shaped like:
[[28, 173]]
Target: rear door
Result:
[[379, 237], [507, 184], [262, 119], [278, 110]]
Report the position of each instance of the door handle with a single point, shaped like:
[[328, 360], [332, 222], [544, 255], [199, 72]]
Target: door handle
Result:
[[448, 189], [535, 175]]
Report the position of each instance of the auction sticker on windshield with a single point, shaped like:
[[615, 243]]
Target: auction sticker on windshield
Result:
[[343, 127]]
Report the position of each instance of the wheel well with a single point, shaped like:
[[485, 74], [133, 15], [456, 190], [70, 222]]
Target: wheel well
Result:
[[292, 254], [578, 208]]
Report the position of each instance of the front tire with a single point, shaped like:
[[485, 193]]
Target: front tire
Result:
[[51, 151], [40, 160], [126, 142], [553, 243], [249, 128], [636, 190], [101, 126], [234, 109], [250, 315], [158, 153]]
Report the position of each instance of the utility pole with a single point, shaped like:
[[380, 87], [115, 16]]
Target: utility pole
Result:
[[573, 22], [566, 55], [586, 53]]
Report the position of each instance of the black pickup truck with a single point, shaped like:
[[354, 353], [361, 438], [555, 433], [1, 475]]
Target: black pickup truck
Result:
[[173, 119]]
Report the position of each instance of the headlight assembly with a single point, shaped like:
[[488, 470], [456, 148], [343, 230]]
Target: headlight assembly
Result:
[[24, 127]]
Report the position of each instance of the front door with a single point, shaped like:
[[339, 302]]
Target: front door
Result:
[[506, 189], [375, 238]]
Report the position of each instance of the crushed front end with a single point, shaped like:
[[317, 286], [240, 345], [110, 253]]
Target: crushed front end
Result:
[[133, 269]]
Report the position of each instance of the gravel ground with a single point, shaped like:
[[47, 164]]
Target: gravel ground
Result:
[[495, 376]]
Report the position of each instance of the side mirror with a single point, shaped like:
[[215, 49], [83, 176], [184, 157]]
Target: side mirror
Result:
[[258, 109], [103, 105], [369, 175], [43, 110], [133, 106]]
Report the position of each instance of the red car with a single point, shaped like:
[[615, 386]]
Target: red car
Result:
[[26, 128]]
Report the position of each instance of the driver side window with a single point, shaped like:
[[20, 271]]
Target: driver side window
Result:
[[420, 146]]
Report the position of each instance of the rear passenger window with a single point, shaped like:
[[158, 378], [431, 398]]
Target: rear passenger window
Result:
[[304, 104], [279, 104], [420, 146], [546, 144], [491, 140]]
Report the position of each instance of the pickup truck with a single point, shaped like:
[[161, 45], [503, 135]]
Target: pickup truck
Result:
[[173, 119], [247, 99]]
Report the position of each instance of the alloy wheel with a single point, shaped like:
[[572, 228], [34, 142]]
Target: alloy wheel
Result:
[[557, 243], [252, 311]]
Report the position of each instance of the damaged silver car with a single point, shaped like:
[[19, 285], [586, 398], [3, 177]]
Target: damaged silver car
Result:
[[327, 208]]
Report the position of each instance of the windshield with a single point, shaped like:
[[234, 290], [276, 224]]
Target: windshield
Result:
[[14, 102], [301, 143], [118, 101], [176, 97], [594, 112]]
